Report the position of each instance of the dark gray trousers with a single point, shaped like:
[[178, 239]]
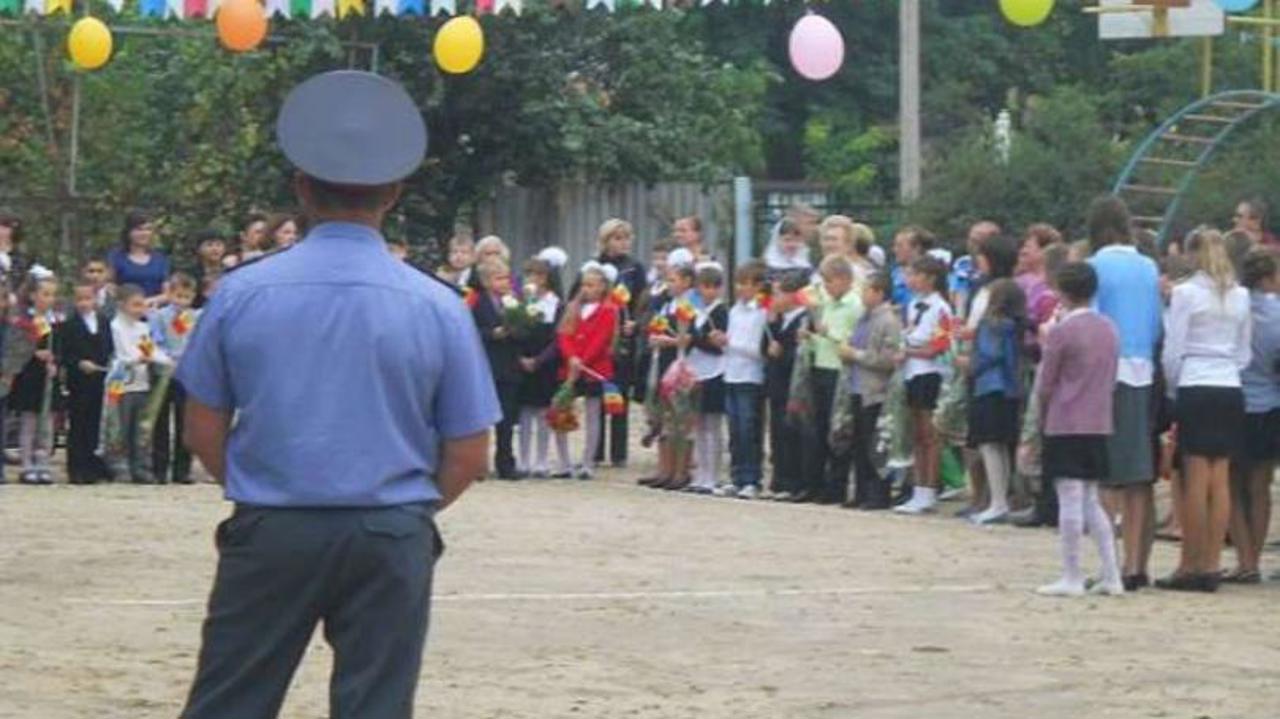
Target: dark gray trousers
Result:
[[366, 573]]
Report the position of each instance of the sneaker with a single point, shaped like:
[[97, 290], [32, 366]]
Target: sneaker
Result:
[[990, 516], [28, 477], [781, 497], [749, 492], [704, 491], [562, 474], [726, 490], [1062, 588], [44, 476], [583, 473], [1114, 588], [948, 495]]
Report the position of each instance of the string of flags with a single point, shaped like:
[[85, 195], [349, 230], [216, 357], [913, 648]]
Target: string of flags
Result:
[[289, 9]]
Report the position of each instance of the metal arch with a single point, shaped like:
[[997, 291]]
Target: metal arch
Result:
[[1264, 100]]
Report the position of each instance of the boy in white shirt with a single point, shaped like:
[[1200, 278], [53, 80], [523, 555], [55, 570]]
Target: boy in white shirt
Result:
[[927, 339], [135, 353], [744, 379]]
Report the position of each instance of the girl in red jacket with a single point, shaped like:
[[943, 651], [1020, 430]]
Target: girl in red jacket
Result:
[[586, 340]]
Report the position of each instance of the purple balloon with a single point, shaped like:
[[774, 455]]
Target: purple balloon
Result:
[[816, 47]]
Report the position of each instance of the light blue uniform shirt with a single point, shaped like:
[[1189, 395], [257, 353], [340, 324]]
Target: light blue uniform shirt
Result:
[[347, 369]]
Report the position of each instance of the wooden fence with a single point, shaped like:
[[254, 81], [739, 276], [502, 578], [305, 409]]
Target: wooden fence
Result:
[[568, 216]]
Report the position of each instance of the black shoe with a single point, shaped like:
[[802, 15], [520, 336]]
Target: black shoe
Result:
[[184, 480], [1188, 583], [1029, 521], [561, 475], [1134, 582]]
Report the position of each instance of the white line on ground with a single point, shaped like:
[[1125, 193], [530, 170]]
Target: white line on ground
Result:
[[612, 596]]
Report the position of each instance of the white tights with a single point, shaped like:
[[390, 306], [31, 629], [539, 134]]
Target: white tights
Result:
[[1079, 509], [35, 453], [708, 448], [996, 462], [533, 426], [592, 424]]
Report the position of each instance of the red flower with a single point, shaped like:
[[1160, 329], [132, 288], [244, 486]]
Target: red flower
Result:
[[470, 297], [764, 301]]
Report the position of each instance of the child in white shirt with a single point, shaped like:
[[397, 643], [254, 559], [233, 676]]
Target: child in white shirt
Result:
[[135, 353], [744, 379]]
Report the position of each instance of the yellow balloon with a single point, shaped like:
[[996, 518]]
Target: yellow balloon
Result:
[[1026, 13], [89, 43], [459, 45]]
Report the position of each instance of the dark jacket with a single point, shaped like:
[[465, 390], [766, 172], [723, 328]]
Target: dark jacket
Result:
[[777, 371], [79, 345], [504, 352]]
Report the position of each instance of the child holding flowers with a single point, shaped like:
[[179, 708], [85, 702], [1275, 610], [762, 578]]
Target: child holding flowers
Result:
[[86, 344], [585, 339], [540, 362], [30, 366], [666, 331], [171, 327], [708, 338], [125, 443], [492, 308]]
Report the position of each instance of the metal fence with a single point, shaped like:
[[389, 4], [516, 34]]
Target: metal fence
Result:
[[529, 219]]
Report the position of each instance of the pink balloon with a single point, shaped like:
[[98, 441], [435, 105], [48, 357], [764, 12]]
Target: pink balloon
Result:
[[816, 47]]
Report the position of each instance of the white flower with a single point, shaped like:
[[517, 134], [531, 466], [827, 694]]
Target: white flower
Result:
[[509, 302]]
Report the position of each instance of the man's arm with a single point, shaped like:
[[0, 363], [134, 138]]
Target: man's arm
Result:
[[461, 461], [206, 437]]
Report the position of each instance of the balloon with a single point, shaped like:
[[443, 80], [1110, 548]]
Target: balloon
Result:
[[1237, 5], [242, 25], [459, 45], [1026, 13], [816, 47], [89, 43]]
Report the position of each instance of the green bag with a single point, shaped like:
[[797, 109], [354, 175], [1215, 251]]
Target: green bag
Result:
[[951, 471]]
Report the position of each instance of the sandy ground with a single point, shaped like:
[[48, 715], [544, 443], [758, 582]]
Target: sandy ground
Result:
[[571, 599]]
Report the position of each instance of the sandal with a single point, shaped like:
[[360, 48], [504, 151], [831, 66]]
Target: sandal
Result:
[[1239, 577]]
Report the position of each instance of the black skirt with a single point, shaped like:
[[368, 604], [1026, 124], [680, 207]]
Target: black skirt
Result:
[[27, 394], [538, 387], [711, 396], [1210, 421], [993, 418], [1074, 456]]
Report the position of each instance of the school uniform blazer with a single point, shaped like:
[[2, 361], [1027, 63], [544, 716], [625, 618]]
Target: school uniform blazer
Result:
[[777, 371], [876, 364], [503, 353], [591, 341], [78, 345], [1078, 375]]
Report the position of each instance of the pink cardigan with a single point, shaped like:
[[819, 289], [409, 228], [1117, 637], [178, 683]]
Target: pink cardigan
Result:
[[1078, 375]]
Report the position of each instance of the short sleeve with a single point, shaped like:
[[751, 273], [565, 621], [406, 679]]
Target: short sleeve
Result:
[[466, 402], [203, 371]]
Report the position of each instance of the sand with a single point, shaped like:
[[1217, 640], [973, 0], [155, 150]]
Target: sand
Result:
[[600, 599]]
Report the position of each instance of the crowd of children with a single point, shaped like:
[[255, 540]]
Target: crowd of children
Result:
[[1051, 374], [96, 366]]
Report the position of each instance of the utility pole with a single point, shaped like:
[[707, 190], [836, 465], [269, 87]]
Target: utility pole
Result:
[[909, 100]]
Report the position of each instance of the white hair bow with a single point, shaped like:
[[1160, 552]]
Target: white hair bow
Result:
[[609, 271], [40, 273], [680, 257], [554, 256]]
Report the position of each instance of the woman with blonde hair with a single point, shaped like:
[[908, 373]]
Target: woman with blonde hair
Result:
[[614, 239], [491, 247], [1206, 346], [840, 235]]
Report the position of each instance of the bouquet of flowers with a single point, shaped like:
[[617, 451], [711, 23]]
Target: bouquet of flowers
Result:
[[659, 326], [685, 314], [111, 438], [183, 322], [621, 297], [519, 318], [614, 403], [470, 297], [562, 416], [678, 392]]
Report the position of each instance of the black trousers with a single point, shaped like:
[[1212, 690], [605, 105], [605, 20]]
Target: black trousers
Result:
[[823, 475], [365, 573], [785, 447], [84, 415], [870, 489], [504, 458], [168, 440]]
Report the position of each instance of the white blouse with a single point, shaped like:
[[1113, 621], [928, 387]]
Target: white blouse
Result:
[[1206, 335]]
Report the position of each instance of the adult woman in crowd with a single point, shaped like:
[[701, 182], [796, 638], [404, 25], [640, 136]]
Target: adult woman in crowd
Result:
[[1207, 344], [492, 247], [136, 261], [1251, 475], [283, 231], [615, 238], [1031, 276], [251, 242]]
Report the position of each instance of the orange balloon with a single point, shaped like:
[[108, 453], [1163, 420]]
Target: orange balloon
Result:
[[242, 24]]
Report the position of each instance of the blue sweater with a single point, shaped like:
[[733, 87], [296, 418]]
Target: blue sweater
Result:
[[995, 359], [1129, 295]]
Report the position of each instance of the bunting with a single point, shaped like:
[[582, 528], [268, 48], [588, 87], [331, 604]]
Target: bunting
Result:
[[606, 4], [320, 8], [484, 7], [347, 8], [515, 6], [152, 8], [174, 8], [281, 8], [53, 6], [448, 7], [300, 8], [34, 6], [116, 5], [386, 7], [412, 7], [194, 8], [10, 6]]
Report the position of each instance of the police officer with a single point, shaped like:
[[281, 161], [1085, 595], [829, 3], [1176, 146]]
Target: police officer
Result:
[[362, 402]]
